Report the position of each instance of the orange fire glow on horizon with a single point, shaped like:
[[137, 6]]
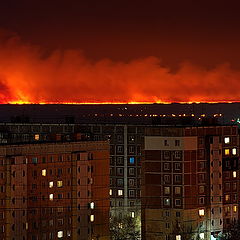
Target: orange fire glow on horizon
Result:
[[102, 103], [30, 76]]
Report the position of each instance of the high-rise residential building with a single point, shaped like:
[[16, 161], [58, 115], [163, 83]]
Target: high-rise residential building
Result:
[[125, 141], [190, 182], [54, 191]]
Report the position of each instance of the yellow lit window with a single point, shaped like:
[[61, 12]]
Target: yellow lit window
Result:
[[166, 190], [227, 140], [132, 214], [201, 212], [44, 172], [36, 137], [227, 209], [178, 237], [234, 174], [234, 151], [110, 192], [50, 184], [92, 218], [120, 192], [59, 183], [226, 151], [51, 197], [227, 197], [235, 208]]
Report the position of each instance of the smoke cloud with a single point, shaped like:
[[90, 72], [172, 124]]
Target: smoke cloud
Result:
[[28, 74]]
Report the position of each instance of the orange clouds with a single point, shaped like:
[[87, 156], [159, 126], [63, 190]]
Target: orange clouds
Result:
[[27, 74]]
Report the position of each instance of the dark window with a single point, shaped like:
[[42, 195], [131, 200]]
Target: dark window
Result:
[[177, 143], [34, 160]]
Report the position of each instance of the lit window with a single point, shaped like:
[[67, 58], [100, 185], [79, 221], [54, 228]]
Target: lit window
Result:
[[234, 174], [36, 137], [178, 237], [132, 214], [44, 172], [235, 208], [166, 201], [60, 234], [201, 212], [92, 218], [59, 183], [92, 205], [201, 235], [110, 192], [132, 160], [120, 192], [177, 190], [227, 209], [51, 197], [226, 151], [227, 197], [227, 140], [166, 190], [50, 184], [234, 151]]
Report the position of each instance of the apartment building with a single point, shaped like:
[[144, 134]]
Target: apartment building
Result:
[[54, 191], [190, 182], [125, 141]]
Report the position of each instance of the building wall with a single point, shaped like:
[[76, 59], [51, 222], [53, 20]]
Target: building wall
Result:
[[182, 181], [56, 191], [125, 140]]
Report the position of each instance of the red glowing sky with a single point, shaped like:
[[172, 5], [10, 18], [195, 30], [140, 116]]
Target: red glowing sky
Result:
[[102, 51]]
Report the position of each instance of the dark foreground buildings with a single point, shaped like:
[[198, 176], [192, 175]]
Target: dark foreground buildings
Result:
[[190, 187], [125, 141], [187, 176], [54, 191]]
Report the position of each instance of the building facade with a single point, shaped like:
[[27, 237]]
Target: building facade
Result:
[[190, 182], [54, 191], [125, 141]]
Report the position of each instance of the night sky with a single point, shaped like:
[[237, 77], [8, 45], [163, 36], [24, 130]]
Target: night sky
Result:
[[199, 39]]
